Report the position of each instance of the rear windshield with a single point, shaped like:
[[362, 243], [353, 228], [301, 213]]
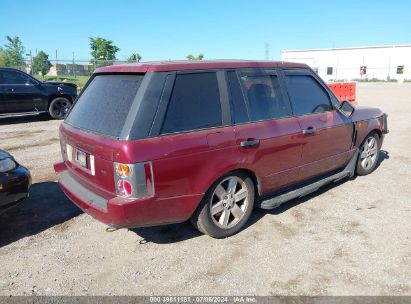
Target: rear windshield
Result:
[[104, 105]]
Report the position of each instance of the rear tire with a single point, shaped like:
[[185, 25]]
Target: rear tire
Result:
[[59, 107], [369, 154], [226, 207]]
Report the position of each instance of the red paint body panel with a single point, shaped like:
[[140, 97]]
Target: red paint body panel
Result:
[[276, 159], [185, 165], [321, 151], [125, 213]]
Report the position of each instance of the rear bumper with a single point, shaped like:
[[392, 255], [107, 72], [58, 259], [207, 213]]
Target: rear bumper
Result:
[[14, 187], [119, 212]]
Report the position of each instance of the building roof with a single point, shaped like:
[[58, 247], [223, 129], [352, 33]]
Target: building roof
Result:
[[163, 66], [350, 48]]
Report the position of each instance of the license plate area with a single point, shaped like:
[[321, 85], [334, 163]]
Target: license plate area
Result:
[[80, 158]]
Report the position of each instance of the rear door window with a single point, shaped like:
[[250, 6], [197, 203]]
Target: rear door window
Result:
[[104, 105], [264, 97], [307, 95], [239, 111], [194, 103]]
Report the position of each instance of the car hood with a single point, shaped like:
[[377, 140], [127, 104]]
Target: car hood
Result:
[[364, 113], [4, 154]]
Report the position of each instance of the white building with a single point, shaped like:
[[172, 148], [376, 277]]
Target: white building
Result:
[[380, 62]]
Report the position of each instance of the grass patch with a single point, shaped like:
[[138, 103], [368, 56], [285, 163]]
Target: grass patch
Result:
[[80, 81]]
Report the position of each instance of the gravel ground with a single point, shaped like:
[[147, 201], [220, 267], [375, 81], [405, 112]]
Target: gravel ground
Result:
[[352, 238]]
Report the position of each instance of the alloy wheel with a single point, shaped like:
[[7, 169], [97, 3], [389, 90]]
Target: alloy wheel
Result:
[[369, 153], [229, 202]]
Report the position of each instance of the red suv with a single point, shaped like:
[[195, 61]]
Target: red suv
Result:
[[164, 142]]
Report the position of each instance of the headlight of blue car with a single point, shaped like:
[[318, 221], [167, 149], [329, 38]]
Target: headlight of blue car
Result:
[[6, 165]]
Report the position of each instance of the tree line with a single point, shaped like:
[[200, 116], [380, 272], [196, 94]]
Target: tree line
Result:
[[102, 51]]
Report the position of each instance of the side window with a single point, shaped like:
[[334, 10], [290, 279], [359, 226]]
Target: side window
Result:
[[239, 110], [307, 95], [13, 77], [194, 103], [264, 97]]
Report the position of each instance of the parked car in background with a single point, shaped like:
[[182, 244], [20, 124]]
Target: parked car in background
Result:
[[164, 142], [15, 181], [22, 94]]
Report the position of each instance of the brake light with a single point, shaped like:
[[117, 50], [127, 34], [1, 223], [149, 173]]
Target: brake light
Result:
[[124, 188], [134, 180]]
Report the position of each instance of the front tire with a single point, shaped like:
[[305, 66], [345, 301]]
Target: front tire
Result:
[[226, 207], [59, 107], [369, 154]]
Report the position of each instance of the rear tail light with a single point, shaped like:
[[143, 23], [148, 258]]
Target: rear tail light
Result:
[[124, 188], [123, 171], [134, 180]]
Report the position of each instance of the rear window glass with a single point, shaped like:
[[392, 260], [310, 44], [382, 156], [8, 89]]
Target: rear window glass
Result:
[[103, 107]]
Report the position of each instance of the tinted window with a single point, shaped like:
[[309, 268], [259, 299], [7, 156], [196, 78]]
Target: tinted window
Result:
[[307, 95], [194, 103], [104, 105], [239, 110], [13, 77], [264, 97]]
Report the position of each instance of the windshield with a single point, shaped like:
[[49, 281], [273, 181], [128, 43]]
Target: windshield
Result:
[[104, 105]]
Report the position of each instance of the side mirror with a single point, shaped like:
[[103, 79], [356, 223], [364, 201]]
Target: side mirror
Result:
[[347, 108]]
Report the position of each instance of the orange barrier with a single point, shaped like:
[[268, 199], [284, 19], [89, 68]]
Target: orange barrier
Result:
[[344, 90]]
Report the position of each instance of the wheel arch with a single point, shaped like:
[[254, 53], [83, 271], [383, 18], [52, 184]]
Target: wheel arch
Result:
[[366, 127], [248, 172]]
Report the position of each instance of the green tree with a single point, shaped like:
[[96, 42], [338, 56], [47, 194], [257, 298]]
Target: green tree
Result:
[[41, 63], [198, 57], [134, 57], [4, 59], [103, 49], [14, 50]]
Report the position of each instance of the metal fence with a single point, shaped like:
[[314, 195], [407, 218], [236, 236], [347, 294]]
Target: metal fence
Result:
[[71, 68], [77, 71]]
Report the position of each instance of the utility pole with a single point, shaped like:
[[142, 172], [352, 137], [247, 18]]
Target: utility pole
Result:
[[267, 51], [74, 68], [31, 62], [57, 73]]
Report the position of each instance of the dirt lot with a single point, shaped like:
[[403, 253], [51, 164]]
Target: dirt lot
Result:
[[352, 238]]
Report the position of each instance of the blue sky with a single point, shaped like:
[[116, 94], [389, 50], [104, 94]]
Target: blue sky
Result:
[[160, 29]]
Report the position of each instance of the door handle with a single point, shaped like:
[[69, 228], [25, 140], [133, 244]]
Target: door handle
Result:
[[249, 143], [309, 131], [9, 90]]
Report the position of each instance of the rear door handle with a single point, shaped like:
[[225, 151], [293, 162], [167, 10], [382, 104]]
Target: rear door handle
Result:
[[309, 131], [249, 143]]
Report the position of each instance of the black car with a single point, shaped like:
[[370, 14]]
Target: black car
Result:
[[22, 94], [15, 181]]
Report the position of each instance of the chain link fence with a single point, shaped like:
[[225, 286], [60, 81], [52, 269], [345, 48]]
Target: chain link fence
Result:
[[77, 71]]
